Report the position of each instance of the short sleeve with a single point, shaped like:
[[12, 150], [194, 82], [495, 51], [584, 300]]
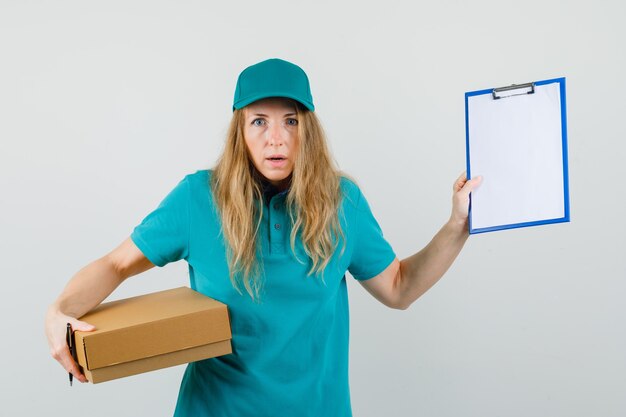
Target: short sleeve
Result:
[[372, 253], [163, 235]]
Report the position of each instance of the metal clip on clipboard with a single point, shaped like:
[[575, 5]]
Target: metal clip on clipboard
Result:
[[513, 90]]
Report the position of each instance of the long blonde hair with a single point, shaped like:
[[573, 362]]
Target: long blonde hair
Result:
[[313, 202]]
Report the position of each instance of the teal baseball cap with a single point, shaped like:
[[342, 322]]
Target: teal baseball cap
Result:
[[273, 78]]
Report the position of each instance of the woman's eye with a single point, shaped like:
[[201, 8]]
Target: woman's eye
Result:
[[292, 122], [258, 122]]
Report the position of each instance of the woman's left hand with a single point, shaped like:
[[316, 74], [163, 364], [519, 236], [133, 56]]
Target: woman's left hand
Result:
[[460, 198]]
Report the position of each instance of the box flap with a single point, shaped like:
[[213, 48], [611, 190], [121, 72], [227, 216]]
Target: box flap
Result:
[[150, 325], [158, 362]]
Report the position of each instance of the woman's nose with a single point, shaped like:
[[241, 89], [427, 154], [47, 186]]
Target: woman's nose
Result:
[[275, 134]]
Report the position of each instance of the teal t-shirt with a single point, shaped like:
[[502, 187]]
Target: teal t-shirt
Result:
[[290, 352]]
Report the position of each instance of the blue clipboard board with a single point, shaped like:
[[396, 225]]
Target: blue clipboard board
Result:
[[516, 139]]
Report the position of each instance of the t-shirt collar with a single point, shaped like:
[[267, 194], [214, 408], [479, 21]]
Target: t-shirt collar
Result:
[[269, 190]]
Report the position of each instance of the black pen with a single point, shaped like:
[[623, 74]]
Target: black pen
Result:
[[68, 338]]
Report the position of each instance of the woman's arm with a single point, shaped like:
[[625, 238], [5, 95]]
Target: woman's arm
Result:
[[405, 281], [86, 290]]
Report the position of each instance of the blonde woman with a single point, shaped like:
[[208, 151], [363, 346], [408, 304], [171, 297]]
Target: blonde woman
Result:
[[270, 231]]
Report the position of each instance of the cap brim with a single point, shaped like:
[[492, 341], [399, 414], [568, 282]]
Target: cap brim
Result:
[[251, 99]]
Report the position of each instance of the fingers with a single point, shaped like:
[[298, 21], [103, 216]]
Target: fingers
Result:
[[471, 185], [465, 186], [460, 182], [67, 362], [81, 325], [474, 182], [460, 199], [61, 353], [56, 328]]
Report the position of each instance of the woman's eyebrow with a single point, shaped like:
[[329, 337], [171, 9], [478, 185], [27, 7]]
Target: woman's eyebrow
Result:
[[265, 115]]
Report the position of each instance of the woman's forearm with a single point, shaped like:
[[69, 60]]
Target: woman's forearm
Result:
[[419, 272], [88, 287]]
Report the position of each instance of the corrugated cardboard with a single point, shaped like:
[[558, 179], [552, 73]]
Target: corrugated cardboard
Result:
[[152, 331]]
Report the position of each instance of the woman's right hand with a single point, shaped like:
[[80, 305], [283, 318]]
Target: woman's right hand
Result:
[[56, 328]]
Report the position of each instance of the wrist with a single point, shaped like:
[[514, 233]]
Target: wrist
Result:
[[60, 309], [458, 225]]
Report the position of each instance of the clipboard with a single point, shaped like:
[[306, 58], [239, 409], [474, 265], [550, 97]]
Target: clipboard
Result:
[[516, 139]]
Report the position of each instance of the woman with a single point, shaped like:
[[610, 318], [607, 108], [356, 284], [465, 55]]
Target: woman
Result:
[[270, 231]]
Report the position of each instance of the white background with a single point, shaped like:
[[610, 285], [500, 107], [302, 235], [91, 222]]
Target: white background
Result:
[[105, 106]]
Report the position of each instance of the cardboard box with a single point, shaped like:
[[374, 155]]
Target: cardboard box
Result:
[[150, 332]]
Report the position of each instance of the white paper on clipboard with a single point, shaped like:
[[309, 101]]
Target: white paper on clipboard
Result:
[[517, 145]]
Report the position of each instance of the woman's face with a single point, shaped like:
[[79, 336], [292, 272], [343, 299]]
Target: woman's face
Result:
[[271, 134]]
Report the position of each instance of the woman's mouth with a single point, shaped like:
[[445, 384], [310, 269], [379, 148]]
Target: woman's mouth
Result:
[[277, 161]]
